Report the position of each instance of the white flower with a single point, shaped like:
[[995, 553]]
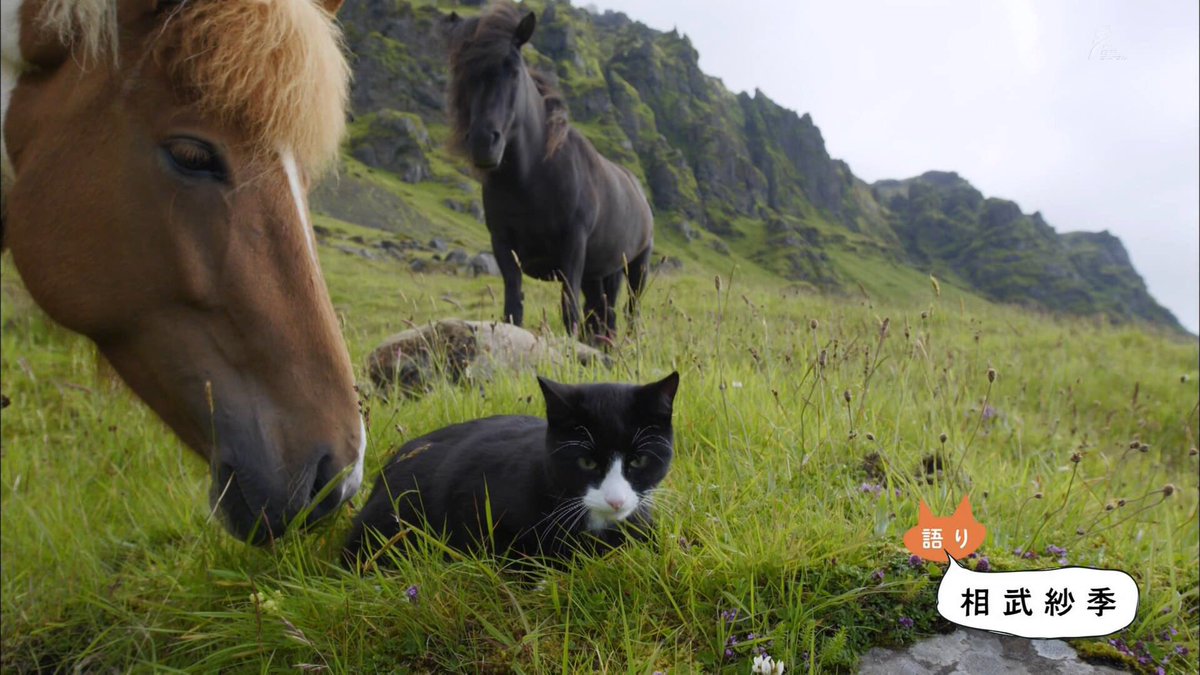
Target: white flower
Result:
[[765, 665]]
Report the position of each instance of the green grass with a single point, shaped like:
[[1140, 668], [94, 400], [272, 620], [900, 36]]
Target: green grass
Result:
[[109, 557]]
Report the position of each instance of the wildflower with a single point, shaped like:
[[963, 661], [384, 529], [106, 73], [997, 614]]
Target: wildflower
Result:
[[765, 665], [991, 374], [988, 412], [906, 623], [877, 576], [813, 324], [846, 395], [267, 602], [983, 565], [1159, 671], [1168, 490], [871, 488], [412, 593], [943, 438], [728, 654], [729, 615], [870, 437], [1181, 650], [1144, 660], [1055, 550], [1076, 458], [915, 561]]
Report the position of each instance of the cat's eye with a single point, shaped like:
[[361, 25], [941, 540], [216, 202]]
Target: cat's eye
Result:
[[587, 464], [639, 462]]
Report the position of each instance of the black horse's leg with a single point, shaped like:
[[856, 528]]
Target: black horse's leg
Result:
[[612, 291], [510, 271], [594, 306], [571, 275], [639, 271]]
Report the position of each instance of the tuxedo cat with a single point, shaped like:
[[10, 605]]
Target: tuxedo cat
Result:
[[580, 477]]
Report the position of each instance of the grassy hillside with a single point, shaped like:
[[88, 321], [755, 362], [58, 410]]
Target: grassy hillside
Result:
[[786, 502]]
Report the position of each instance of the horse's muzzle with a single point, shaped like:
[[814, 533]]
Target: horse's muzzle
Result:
[[487, 149], [257, 502]]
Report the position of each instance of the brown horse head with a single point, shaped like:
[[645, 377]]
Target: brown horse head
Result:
[[157, 160]]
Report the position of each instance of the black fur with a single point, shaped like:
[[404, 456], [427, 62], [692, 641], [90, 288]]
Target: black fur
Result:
[[530, 470], [556, 209]]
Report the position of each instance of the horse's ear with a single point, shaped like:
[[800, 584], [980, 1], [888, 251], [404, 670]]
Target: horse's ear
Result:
[[332, 6], [525, 29]]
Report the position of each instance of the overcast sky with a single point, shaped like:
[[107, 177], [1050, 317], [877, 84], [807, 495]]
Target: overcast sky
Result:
[[1088, 110]]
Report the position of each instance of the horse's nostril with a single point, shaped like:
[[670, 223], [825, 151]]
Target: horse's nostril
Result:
[[495, 137], [323, 475]]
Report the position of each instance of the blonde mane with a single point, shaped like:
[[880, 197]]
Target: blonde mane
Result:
[[273, 67]]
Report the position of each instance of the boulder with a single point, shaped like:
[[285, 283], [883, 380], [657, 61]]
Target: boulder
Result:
[[457, 257], [484, 264], [460, 350]]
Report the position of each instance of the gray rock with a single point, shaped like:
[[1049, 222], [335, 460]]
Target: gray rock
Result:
[[457, 257], [979, 653], [668, 265], [484, 264], [438, 245], [472, 351], [419, 265]]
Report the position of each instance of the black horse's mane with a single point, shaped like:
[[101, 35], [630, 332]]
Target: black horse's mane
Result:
[[480, 42]]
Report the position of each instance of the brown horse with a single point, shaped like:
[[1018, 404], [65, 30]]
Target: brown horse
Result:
[[157, 157]]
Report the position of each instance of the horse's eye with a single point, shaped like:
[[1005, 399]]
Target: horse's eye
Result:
[[639, 462], [587, 464], [195, 159]]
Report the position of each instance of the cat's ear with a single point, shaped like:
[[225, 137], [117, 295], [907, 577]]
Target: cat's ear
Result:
[[658, 398], [558, 405]]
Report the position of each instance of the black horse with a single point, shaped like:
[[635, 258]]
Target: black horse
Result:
[[556, 209]]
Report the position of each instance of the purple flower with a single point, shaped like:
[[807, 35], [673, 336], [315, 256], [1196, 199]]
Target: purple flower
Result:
[[1181, 650], [750, 637], [728, 654], [1144, 660], [412, 592], [989, 412], [915, 561], [1159, 671], [877, 576], [729, 615], [906, 623], [1029, 555], [871, 488], [983, 565], [1056, 551]]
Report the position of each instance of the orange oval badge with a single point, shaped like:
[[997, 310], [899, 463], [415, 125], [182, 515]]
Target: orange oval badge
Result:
[[959, 535]]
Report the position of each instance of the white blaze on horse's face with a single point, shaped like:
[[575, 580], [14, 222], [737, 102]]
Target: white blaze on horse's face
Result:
[[156, 203], [293, 177]]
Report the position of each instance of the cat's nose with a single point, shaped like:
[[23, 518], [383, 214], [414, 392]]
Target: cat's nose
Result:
[[615, 502]]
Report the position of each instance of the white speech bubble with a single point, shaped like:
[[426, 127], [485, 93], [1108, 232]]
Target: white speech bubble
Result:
[[1068, 602]]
